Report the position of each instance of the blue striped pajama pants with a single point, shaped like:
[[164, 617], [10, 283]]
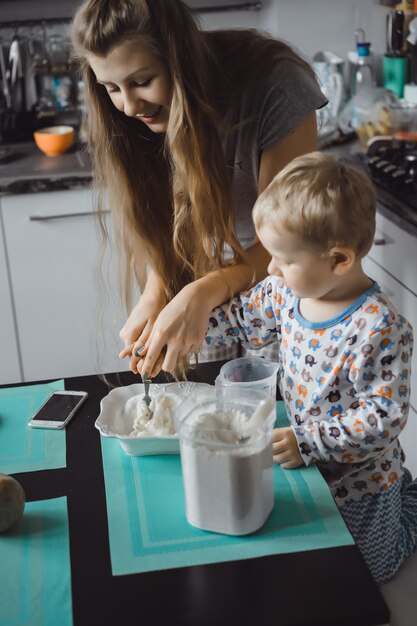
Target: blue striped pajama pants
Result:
[[384, 527]]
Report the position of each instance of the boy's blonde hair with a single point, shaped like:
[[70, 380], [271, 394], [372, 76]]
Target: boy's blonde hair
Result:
[[323, 200]]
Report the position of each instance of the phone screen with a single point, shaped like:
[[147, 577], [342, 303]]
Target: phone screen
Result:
[[57, 408]]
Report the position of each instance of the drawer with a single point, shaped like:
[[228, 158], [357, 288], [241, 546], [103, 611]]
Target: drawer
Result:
[[67, 320], [406, 303], [53, 206], [396, 251]]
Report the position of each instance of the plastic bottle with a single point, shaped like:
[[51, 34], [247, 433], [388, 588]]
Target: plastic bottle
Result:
[[364, 80], [358, 112]]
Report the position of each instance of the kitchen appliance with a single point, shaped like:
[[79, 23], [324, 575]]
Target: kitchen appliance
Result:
[[392, 165], [328, 67]]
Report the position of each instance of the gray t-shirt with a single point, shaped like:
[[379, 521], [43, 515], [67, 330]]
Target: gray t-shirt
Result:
[[273, 107]]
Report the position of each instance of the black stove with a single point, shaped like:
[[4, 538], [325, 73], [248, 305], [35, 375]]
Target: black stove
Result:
[[392, 165]]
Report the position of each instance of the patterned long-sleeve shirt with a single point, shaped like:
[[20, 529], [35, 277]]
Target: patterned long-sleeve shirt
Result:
[[345, 381]]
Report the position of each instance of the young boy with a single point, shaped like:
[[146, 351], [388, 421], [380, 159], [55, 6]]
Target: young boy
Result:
[[344, 350]]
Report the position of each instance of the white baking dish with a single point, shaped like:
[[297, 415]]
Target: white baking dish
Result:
[[113, 423]]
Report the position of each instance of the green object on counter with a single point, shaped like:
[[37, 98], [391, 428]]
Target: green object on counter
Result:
[[148, 529], [394, 74], [25, 449], [35, 570]]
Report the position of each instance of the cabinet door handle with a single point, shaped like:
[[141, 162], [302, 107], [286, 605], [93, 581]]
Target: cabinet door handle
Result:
[[380, 241], [58, 216]]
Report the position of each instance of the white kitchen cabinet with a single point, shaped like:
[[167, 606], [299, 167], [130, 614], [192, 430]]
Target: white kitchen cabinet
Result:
[[53, 248], [392, 262], [10, 370]]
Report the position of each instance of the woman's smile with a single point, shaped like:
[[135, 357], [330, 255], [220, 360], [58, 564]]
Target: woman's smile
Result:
[[138, 83], [151, 117]]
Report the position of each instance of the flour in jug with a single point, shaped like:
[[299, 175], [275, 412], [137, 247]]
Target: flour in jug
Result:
[[227, 473]]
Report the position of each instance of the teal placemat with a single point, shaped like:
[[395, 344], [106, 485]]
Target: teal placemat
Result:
[[35, 573], [24, 449], [148, 529]]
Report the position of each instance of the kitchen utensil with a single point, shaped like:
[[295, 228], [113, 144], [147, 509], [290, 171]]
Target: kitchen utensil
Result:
[[412, 52], [15, 77], [58, 54], [249, 372], [38, 56], [6, 111], [329, 70], [395, 33], [14, 69], [4, 81], [54, 140], [261, 414], [147, 398]]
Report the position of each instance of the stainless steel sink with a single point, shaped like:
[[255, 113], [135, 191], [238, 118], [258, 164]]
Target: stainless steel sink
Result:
[[26, 162]]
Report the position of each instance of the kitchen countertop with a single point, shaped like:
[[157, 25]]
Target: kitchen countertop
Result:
[[25, 169]]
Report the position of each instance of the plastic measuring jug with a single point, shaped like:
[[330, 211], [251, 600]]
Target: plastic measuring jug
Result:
[[225, 439], [250, 372]]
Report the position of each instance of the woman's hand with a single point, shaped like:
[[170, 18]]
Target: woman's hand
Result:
[[139, 324], [182, 325], [285, 448], [178, 330]]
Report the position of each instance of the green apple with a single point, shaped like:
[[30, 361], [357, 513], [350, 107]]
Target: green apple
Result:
[[12, 502]]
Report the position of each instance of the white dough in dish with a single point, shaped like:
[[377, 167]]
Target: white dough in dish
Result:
[[162, 422]]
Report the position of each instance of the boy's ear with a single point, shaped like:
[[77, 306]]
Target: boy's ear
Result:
[[342, 259]]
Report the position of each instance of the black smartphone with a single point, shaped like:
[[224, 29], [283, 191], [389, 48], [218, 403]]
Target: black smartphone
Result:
[[59, 408]]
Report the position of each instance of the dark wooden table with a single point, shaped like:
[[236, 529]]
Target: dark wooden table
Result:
[[328, 587]]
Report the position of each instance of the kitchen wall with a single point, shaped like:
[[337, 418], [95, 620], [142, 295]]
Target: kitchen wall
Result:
[[330, 24], [311, 25], [35, 9]]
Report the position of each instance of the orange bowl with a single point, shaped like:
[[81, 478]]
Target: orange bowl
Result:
[[54, 140]]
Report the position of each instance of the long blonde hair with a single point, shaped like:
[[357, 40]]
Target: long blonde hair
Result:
[[170, 194]]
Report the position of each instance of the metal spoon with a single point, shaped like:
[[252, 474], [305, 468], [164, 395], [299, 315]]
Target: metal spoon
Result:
[[147, 398]]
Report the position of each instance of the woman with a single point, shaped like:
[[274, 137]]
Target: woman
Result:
[[186, 129]]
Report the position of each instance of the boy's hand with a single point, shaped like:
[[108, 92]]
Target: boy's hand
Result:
[[284, 445]]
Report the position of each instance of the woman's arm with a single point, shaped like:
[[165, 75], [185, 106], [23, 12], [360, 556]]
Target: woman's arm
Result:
[[181, 326], [302, 140], [142, 317], [220, 286]]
